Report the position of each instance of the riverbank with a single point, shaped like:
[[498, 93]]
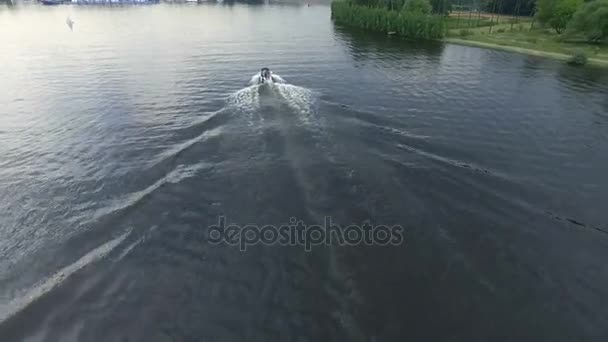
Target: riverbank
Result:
[[405, 24], [533, 52], [483, 30], [522, 38]]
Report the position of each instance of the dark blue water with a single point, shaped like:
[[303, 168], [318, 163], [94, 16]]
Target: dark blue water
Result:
[[123, 140]]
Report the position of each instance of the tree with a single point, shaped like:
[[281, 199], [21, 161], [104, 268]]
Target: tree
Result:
[[557, 13], [591, 20], [442, 7], [546, 10], [519, 7], [388, 4], [418, 6], [564, 11]]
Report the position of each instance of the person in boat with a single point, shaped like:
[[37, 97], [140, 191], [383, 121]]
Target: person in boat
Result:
[[265, 75]]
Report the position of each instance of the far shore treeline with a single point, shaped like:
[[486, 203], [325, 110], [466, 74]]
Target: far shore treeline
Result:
[[570, 20], [415, 24]]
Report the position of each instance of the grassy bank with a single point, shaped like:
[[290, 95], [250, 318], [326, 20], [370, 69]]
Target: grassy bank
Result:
[[522, 38], [469, 20], [519, 34], [409, 25]]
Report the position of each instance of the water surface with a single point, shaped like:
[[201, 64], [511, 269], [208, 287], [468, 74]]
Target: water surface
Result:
[[123, 140]]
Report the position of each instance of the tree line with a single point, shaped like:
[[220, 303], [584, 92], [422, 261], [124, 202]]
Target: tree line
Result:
[[586, 18], [433, 6]]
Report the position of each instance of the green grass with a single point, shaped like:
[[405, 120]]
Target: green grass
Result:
[[500, 32], [473, 20], [465, 22], [536, 39]]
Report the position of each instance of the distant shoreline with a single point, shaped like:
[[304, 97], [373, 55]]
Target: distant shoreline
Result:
[[501, 33], [532, 52]]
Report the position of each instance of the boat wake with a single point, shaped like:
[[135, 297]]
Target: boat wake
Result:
[[43, 287], [258, 101], [182, 187]]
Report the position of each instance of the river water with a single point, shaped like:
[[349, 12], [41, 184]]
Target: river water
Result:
[[124, 139]]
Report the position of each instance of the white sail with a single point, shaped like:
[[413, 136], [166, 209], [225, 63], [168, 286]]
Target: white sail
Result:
[[70, 23]]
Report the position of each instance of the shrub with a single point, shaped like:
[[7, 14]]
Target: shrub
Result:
[[591, 20], [563, 13], [406, 24], [557, 13], [579, 58], [509, 7], [500, 30], [546, 9], [465, 32], [441, 7], [532, 40], [417, 6]]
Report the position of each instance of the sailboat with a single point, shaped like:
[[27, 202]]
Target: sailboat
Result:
[[70, 23]]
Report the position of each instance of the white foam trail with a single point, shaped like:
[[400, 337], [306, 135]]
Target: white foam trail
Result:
[[136, 243], [301, 100], [278, 79], [180, 173], [56, 279], [257, 96], [255, 79], [296, 97], [247, 101]]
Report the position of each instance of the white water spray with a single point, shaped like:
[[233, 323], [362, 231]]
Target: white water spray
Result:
[[259, 97]]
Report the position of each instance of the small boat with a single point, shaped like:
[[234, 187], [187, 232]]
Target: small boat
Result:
[[51, 2], [70, 23], [265, 75]]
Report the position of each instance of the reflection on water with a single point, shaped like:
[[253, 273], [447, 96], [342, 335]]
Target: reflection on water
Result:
[[371, 45], [123, 140]]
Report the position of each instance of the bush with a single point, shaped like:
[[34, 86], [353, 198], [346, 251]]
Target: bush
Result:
[[579, 58], [564, 11], [509, 7], [441, 7], [406, 24], [417, 6], [388, 4], [500, 30], [465, 32], [532, 40], [591, 20], [557, 13], [546, 9]]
